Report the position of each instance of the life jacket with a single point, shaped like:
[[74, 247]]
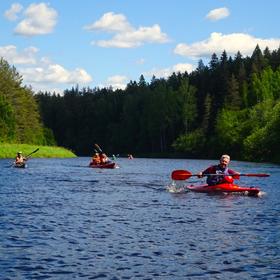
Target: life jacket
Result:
[[215, 180], [20, 159]]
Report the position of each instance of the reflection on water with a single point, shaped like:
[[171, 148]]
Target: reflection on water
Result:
[[60, 219]]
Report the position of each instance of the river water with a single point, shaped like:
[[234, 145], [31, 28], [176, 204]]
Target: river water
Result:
[[60, 219]]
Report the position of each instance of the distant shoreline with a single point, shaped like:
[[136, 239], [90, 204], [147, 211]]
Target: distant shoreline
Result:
[[8, 150]]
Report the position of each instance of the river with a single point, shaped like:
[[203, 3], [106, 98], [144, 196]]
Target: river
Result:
[[60, 219]]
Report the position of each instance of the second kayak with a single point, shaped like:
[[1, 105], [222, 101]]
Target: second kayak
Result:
[[109, 165]]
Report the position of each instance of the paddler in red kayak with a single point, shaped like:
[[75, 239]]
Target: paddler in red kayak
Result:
[[227, 174]]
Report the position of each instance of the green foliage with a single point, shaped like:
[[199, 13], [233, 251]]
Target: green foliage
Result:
[[190, 144], [10, 150], [49, 137], [7, 120], [19, 116], [189, 113], [263, 143], [233, 99], [228, 128]]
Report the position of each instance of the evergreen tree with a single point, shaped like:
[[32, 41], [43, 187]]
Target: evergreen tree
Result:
[[22, 113]]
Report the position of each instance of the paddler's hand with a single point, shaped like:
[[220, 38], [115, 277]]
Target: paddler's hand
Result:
[[236, 176], [200, 175]]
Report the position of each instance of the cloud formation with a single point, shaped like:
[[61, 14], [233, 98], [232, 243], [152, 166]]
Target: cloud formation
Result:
[[110, 22], [41, 72], [232, 43], [126, 36], [55, 73], [11, 14], [117, 82], [167, 72], [27, 56], [39, 19], [218, 14]]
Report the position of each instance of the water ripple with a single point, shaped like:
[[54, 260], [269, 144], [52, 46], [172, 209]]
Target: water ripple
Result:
[[62, 220]]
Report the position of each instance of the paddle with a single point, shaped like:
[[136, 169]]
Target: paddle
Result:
[[185, 174], [98, 148], [32, 153]]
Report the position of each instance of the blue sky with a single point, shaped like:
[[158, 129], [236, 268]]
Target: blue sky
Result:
[[100, 43]]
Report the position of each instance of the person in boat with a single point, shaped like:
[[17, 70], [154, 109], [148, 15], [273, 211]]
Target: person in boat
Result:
[[20, 159], [227, 175], [129, 156], [95, 158], [103, 158]]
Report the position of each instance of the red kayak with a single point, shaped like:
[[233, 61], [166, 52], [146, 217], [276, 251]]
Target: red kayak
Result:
[[224, 188], [109, 165]]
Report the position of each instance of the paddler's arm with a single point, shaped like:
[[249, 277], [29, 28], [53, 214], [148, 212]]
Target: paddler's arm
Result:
[[234, 174]]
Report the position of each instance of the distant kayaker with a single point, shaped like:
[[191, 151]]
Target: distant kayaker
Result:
[[227, 174], [129, 156], [20, 159]]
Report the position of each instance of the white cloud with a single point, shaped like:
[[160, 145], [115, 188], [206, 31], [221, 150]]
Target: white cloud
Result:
[[116, 82], [183, 67], [110, 22], [167, 72], [126, 36], [42, 73], [39, 19], [10, 53], [232, 43], [54, 73], [218, 14], [11, 14]]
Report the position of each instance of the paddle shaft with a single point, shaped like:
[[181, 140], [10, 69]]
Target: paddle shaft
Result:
[[32, 152], [184, 175], [98, 148], [240, 174]]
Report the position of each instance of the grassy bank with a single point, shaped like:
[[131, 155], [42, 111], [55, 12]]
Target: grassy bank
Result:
[[10, 151]]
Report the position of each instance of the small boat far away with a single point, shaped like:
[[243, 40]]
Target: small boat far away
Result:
[[110, 165]]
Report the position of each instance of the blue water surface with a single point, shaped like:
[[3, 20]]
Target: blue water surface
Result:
[[60, 219]]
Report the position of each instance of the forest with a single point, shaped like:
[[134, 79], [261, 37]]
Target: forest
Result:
[[231, 105], [20, 120]]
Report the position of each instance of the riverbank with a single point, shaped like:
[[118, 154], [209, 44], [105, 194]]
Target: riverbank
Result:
[[10, 151]]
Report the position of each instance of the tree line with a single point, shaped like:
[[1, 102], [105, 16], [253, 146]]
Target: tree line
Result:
[[20, 120], [229, 106]]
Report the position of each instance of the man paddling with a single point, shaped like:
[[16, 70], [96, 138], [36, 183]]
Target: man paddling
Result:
[[227, 174], [20, 159]]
